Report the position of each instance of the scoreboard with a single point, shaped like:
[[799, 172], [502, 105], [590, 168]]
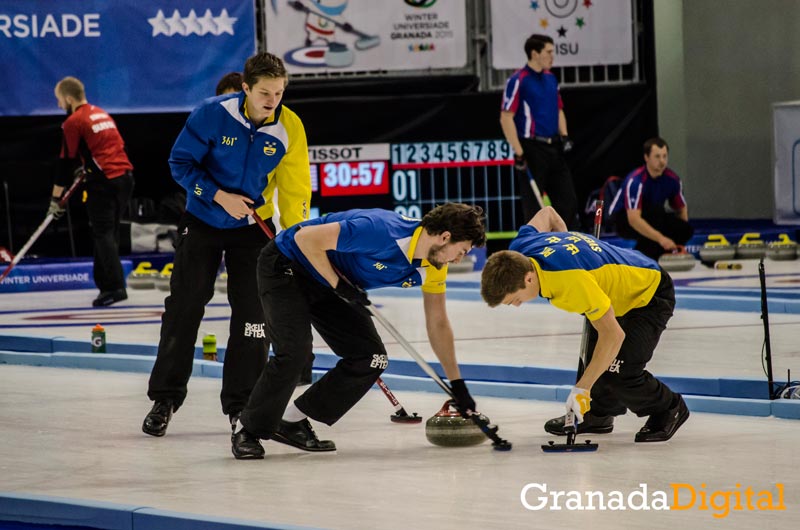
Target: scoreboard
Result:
[[413, 178]]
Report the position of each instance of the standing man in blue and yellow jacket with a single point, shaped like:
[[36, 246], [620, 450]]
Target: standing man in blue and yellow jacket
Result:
[[234, 152], [628, 300]]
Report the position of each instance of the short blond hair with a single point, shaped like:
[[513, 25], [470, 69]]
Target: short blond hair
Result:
[[71, 86], [503, 274]]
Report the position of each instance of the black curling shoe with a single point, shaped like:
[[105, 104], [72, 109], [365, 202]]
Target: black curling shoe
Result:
[[245, 446], [157, 420], [591, 424], [301, 434], [106, 298], [662, 426]]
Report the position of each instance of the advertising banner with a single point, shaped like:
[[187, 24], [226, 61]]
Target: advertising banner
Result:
[[132, 55], [367, 35], [585, 32]]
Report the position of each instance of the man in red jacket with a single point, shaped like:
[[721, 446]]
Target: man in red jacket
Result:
[[93, 143]]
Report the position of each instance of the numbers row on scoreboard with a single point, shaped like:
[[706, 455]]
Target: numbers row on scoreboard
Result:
[[451, 154]]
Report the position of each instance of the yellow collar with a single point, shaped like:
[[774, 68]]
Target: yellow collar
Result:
[[412, 246]]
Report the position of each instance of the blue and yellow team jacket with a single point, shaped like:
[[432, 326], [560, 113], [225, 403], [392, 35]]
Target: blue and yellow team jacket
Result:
[[582, 275], [219, 148], [375, 249]]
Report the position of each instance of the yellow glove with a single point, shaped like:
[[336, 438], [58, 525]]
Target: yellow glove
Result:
[[579, 402]]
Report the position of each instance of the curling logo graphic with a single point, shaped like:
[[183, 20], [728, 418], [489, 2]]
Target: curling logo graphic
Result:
[[327, 31], [565, 17], [191, 24]]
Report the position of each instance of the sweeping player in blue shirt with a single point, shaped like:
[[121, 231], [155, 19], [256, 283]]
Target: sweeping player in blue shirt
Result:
[[628, 300], [300, 288]]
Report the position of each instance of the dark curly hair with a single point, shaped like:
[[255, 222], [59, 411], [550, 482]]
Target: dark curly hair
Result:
[[464, 222]]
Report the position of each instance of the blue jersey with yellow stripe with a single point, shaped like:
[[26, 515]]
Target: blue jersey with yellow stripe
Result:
[[375, 249], [219, 148], [583, 275]]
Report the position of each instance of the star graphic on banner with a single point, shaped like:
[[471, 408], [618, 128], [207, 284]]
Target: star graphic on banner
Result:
[[176, 24], [579, 22], [159, 24], [562, 32], [534, 5], [587, 3], [225, 23], [543, 22], [192, 24], [207, 23]]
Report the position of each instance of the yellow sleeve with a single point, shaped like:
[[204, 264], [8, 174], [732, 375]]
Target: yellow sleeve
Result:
[[292, 176], [577, 291], [435, 279]]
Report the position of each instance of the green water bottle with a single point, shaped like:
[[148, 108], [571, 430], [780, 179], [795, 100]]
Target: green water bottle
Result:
[[98, 339], [210, 347]]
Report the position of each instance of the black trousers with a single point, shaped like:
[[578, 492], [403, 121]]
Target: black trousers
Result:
[[198, 253], [106, 200], [665, 222], [549, 169], [627, 384], [294, 302]]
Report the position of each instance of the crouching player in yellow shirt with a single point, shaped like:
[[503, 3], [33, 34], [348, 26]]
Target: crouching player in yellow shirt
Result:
[[628, 300]]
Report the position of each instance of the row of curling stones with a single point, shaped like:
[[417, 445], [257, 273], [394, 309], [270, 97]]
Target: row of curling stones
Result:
[[750, 246], [447, 428], [145, 277]]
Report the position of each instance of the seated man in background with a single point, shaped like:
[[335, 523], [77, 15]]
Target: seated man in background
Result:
[[638, 207]]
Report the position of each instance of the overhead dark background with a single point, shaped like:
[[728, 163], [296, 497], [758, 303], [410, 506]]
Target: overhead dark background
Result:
[[607, 124]]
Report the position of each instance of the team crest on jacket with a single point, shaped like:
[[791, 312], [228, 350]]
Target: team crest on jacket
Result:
[[270, 148]]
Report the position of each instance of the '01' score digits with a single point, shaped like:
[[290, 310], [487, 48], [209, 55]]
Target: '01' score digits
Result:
[[355, 178]]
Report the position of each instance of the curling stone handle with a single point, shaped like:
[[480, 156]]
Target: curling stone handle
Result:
[[717, 240], [750, 238]]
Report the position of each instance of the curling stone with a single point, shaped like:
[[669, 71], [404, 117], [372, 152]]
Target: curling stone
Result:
[[338, 55], [677, 261], [783, 249], [142, 277], [717, 248], [447, 428], [751, 246], [162, 280], [221, 285]]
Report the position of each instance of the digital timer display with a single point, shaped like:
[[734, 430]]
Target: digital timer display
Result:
[[413, 178], [354, 178], [349, 170]]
